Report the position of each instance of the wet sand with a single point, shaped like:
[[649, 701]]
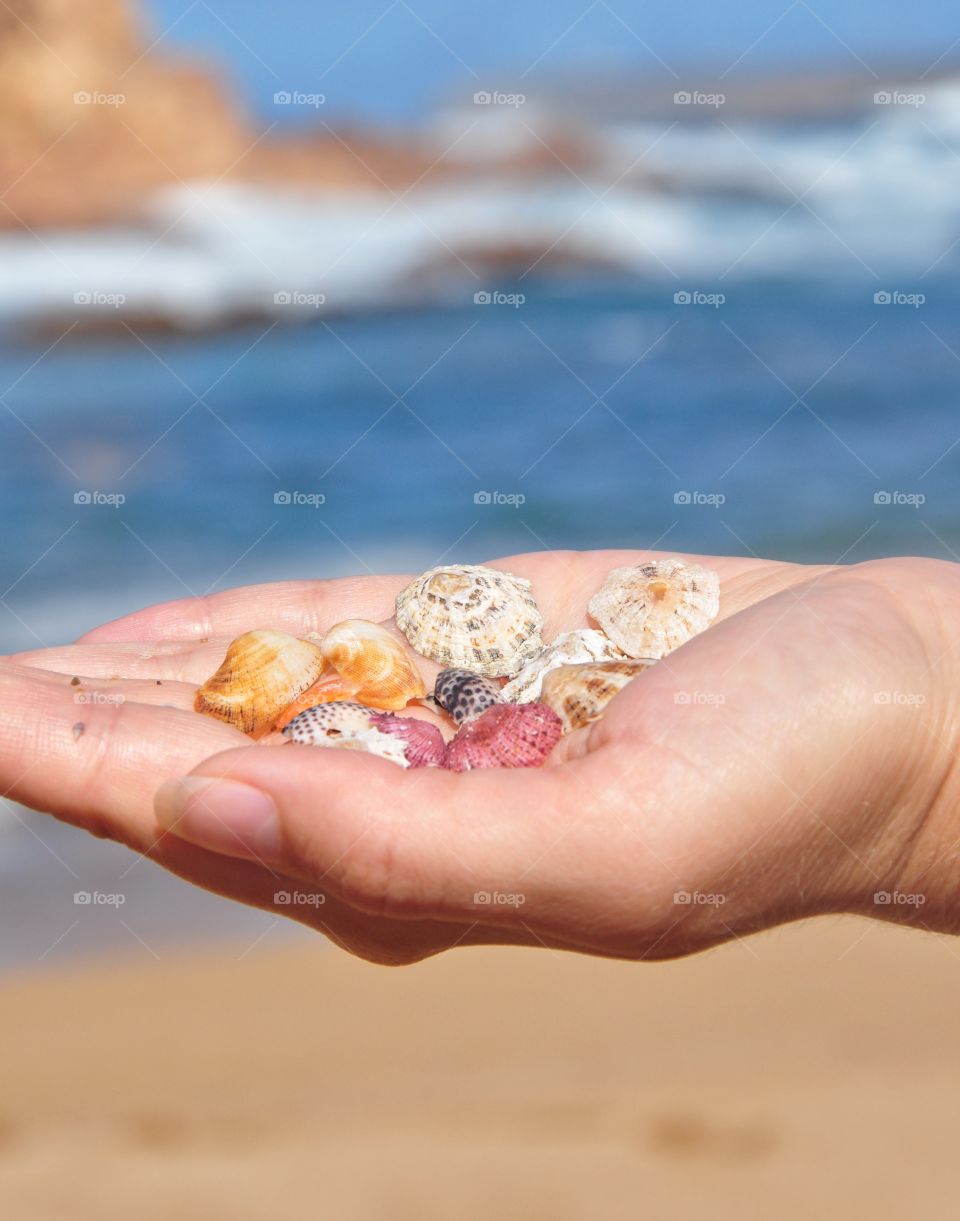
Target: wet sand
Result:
[[812, 1072]]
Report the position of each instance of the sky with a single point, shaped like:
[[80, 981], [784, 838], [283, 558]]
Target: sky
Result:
[[393, 60]]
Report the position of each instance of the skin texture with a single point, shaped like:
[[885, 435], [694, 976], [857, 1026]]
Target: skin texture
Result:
[[796, 759]]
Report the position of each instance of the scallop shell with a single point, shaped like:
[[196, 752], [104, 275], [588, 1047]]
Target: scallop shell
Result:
[[651, 609], [423, 744], [473, 617], [463, 694], [262, 673], [365, 655], [571, 648], [506, 735], [579, 694], [345, 726]]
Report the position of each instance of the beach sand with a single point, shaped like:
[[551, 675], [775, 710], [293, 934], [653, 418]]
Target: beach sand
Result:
[[811, 1072]]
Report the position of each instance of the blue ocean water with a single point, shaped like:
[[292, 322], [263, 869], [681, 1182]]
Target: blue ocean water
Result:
[[591, 415]]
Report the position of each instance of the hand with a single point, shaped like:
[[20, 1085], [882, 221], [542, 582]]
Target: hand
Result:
[[795, 759]]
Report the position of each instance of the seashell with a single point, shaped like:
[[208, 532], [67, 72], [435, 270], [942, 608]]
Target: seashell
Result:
[[262, 673], [463, 694], [506, 735], [347, 726], [579, 694], [571, 648], [473, 617], [367, 657], [423, 744], [651, 609]]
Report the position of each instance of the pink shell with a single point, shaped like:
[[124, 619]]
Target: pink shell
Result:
[[423, 744], [506, 735]]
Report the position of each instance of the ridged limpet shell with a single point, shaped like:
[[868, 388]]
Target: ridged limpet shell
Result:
[[650, 609], [469, 616]]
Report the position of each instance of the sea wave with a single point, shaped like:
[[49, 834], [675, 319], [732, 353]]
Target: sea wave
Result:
[[709, 200]]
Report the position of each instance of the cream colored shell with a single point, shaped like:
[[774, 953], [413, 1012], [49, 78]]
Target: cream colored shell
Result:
[[579, 694], [473, 617], [570, 648], [651, 609]]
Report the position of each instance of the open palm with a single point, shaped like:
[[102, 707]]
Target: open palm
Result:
[[779, 765]]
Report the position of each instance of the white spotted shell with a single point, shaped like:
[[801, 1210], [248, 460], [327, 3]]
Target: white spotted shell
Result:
[[468, 616], [571, 648], [651, 609]]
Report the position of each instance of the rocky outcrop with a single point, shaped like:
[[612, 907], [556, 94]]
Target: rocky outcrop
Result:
[[93, 120]]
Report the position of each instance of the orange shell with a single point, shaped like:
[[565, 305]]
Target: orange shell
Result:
[[368, 657], [262, 673]]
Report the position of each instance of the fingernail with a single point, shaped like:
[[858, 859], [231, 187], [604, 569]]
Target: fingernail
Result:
[[223, 816]]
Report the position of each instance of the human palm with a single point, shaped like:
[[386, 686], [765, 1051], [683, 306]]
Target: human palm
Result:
[[786, 762]]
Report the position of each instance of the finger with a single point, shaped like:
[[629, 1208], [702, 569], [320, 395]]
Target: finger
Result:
[[297, 607], [98, 765], [177, 661], [416, 844]]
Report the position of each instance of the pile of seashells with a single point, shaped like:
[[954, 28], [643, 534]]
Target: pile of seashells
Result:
[[344, 689]]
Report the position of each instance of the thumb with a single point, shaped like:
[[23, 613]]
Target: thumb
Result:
[[416, 843]]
